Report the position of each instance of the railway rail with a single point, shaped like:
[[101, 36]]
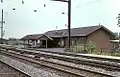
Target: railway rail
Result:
[[92, 62], [79, 55], [77, 71], [108, 58], [114, 63]]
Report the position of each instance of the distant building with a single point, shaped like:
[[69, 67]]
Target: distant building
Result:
[[14, 41], [99, 35], [116, 35], [119, 34]]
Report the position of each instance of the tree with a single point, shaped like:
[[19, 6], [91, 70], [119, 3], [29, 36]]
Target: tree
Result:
[[118, 20]]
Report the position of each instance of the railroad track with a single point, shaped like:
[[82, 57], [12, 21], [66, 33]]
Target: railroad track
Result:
[[77, 55], [106, 61], [77, 72], [74, 54], [63, 67], [93, 62], [97, 62]]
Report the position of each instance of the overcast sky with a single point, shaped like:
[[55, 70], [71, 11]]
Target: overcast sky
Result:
[[24, 20]]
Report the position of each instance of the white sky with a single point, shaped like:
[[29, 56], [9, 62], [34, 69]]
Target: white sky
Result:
[[24, 20]]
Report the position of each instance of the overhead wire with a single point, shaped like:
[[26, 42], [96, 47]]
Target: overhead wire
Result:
[[45, 4], [85, 4], [88, 3]]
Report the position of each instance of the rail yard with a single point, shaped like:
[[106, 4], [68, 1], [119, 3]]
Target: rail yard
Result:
[[63, 64]]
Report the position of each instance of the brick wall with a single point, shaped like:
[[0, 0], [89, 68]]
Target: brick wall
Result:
[[100, 38]]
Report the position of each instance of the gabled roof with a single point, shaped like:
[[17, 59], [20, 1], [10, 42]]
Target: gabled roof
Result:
[[44, 37], [83, 31], [31, 37]]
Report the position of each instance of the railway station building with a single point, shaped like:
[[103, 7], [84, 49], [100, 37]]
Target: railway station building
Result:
[[99, 35]]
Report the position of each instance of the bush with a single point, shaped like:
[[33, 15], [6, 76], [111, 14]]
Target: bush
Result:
[[78, 49], [116, 54], [90, 47]]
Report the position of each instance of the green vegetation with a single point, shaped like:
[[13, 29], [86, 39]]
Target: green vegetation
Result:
[[78, 49], [88, 48], [116, 53], [118, 17]]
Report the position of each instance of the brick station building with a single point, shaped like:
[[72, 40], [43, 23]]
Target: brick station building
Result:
[[99, 35]]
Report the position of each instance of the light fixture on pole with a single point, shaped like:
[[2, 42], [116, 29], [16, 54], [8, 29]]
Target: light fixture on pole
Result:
[[22, 2], [44, 5], [13, 8]]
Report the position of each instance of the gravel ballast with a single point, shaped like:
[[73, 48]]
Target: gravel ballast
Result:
[[29, 70]]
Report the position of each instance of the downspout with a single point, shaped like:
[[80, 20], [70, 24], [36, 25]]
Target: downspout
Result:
[[85, 43], [46, 43], [23, 43]]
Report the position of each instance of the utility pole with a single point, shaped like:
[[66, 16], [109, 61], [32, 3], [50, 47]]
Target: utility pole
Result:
[[69, 23], [2, 33], [69, 20]]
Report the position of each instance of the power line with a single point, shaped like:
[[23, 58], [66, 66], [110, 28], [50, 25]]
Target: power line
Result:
[[88, 3]]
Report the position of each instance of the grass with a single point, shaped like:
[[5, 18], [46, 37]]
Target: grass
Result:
[[116, 54], [80, 49]]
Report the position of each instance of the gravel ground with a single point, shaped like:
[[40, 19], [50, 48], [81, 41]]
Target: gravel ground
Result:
[[53, 49], [80, 58], [57, 72], [6, 71], [102, 70], [115, 73], [32, 71]]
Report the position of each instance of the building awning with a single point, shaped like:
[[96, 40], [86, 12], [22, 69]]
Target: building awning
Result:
[[45, 37], [31, 37]]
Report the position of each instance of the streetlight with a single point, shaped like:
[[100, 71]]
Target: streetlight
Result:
[[69, 19]]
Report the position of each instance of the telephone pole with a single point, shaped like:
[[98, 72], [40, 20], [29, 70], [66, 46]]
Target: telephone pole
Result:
[[2, 32], [69, 23]]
